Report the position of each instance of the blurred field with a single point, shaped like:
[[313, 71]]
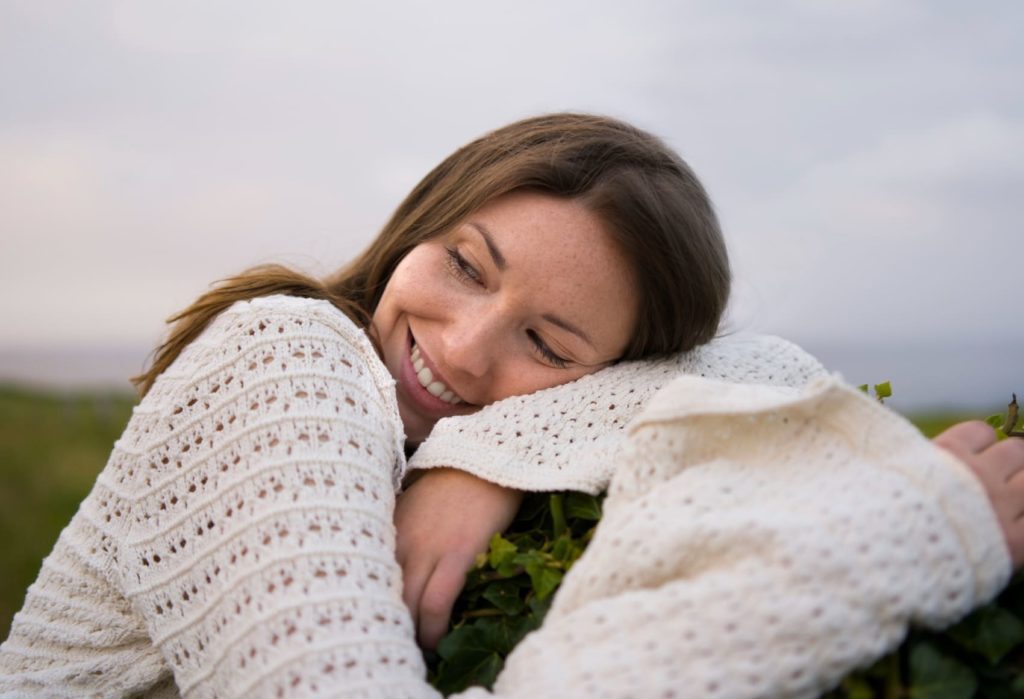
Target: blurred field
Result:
[[52, 445]]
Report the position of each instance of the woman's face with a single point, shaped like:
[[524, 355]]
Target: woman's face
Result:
[[528, 292]]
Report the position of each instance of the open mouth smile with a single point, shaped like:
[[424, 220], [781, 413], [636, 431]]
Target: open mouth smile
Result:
[[423, 386], [429, 381]]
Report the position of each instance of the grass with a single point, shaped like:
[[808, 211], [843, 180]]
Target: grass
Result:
[[52, 445]]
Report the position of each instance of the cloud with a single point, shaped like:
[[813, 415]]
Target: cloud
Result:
[[906, 239], [865, 158]]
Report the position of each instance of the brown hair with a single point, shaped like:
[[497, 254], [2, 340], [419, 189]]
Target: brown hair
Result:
[[651, 202]]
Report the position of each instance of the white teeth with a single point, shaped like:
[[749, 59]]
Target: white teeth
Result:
[[426, 378]]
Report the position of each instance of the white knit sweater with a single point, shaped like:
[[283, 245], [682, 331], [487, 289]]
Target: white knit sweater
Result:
[[757, 541]]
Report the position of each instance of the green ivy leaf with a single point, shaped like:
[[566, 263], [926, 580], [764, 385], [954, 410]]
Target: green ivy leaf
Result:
[[583, 506], [470, 658], [501, 551], [539, 608], [937, 676], [562, 550], [529, 558], [995, 420], [544, 578], [505, 595], [884, 389], [503, 633], [991, 631]]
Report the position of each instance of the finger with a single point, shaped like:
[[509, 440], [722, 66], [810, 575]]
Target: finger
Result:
[[414, 580], [435, 605], [1006, 458], [967, 438]]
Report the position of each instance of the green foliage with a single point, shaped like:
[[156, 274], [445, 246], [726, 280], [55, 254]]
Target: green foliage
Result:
[[981, 657], [935, 675], [882, 390], [1005, 426], [52, 445], [509, 589], [991, 632]]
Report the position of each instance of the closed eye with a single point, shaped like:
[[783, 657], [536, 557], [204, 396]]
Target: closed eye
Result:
[[544, 351], [461, 268]]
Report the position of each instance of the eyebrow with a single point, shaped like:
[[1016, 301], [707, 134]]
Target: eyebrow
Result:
[[501, 263], [566, 325], [499, 259]]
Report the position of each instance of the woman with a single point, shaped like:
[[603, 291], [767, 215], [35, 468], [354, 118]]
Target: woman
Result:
[[240, 539]]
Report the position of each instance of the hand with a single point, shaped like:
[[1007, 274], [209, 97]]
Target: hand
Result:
[[444, 519], [1000, 468]]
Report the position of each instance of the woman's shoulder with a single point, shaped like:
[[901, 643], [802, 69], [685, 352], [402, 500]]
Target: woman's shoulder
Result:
[[296, 312], [276, 335], [270, 360], [280, 318]]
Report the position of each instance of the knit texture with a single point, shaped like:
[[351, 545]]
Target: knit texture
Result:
[[758, 541], [762, 542], [240, 536], [571, 437]]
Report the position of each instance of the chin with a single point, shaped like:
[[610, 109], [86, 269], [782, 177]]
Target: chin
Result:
[[416, 428]]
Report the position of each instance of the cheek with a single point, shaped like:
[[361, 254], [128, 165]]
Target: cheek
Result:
[[523, 375], [417, 288]]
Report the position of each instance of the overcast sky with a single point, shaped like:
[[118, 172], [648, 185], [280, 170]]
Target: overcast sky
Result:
[[866, 158]]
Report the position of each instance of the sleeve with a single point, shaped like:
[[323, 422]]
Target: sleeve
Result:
[[763, 542], [255, 484], [571, 437]]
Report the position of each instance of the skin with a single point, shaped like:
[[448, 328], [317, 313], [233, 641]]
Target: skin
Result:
[[999, 465], [489, 305], [477, 330], [529, 292]]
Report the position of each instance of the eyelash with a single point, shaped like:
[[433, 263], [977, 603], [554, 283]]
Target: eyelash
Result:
[[545, 351], [463, 270]]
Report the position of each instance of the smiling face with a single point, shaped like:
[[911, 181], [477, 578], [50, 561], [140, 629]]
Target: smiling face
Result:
[[528, 292]]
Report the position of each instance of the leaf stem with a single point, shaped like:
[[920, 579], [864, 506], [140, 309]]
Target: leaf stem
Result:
[[495, 575], [1011, 418], [558, 524]]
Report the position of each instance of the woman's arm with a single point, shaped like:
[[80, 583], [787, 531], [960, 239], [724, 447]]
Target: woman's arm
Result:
[[443, 520], [570, 437], [763, 542], [246, 518], [261, 554]]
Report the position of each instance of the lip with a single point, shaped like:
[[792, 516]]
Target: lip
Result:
[[420, 397]]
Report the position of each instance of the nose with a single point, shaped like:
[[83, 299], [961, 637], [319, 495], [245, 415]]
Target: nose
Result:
[[472, 342]]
